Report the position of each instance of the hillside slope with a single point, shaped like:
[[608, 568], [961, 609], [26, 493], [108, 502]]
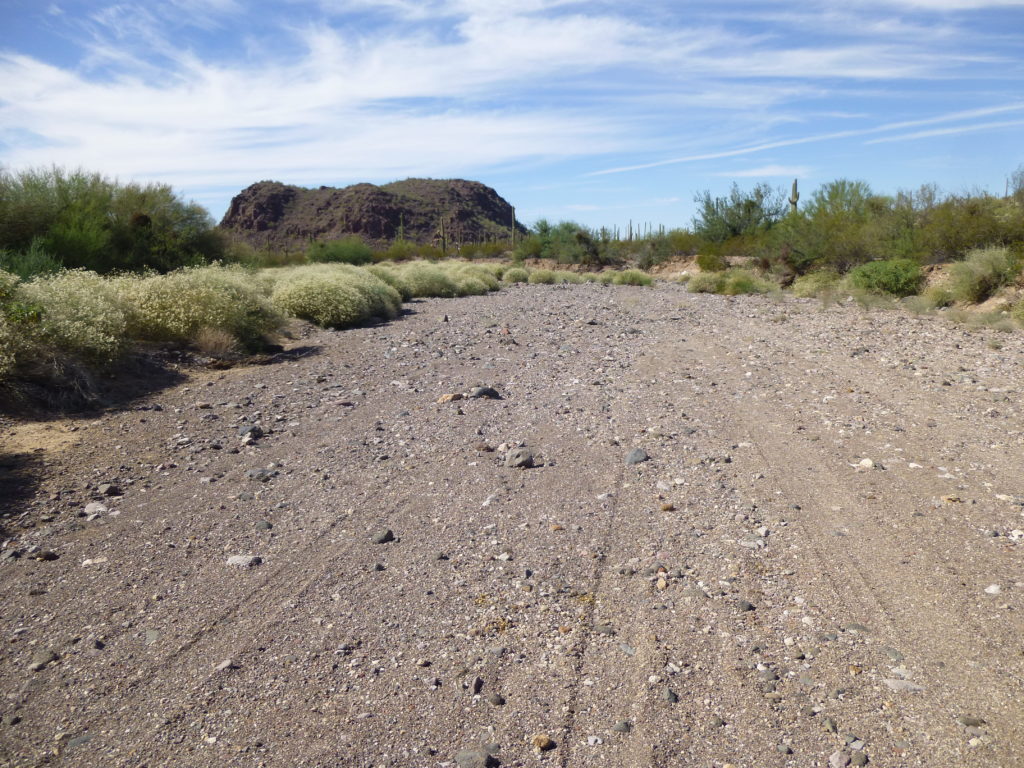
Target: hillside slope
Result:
[[275, 215]]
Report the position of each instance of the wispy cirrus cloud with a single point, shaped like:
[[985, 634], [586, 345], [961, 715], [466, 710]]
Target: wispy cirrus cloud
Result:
[[767, 172], [213, 93], [846, 134]]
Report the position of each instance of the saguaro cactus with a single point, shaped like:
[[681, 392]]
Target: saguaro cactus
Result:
[[794, 198]]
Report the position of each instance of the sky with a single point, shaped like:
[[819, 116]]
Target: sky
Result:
[[597, 112]]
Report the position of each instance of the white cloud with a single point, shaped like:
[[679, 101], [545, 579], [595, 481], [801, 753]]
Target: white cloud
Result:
[[767, 172], [749, 150], [441, 86], [974, 128]]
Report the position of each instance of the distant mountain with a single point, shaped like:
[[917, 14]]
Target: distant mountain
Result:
[[280, 216]]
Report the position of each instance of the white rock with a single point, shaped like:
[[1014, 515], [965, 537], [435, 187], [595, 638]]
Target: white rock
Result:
[[993, 589], [244, 561], [866, 464]]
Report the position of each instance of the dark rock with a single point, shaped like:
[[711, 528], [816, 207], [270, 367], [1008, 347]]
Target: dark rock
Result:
[[623, 726], [474, 758], [745, 606], [490, 393], [108, 489], [255, 431], [260, 475], [383, 536], [264, 525]]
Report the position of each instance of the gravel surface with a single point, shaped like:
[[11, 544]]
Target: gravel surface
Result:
[[683, 530]]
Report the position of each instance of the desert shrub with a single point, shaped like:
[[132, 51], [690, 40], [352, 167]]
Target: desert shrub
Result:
[[741, 281], [632, 277], [80, 313], [31, 262], [498, 270], [8, 286], [401, 250], [712, 262], [334, 295], [176, 306], [542, 277], [215, 342], [814, 284], [488, 250], [477, 272], [425, 280], [10, 345], [982, 274], [240, 252], [684, 278], [347, 250], [938, 295], [706, 282], [733, 282], [606, 278], [591, 277], [516, 275], [328, 302], [383, 300], [467, 285], [393, 278], [896, 277]]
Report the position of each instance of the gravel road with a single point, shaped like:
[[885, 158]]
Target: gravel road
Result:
[[755, 532]]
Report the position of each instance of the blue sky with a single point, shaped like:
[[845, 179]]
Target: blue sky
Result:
[[600, 112]]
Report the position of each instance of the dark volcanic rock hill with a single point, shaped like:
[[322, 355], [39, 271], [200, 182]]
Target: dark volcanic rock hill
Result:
[[276, 215]]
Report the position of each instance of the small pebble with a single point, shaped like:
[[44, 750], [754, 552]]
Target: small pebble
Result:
[[542, 742]]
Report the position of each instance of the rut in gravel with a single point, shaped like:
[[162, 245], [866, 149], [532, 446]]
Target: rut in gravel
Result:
[[817, 563]]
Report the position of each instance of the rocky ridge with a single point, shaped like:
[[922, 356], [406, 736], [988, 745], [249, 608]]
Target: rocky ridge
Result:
[[270, 214]]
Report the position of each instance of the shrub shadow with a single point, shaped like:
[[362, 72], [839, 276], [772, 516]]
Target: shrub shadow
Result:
[[20, 474]]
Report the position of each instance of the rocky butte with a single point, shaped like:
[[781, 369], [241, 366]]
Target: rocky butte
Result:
[[270, 214]]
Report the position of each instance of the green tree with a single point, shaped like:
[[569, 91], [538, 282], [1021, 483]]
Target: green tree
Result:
[[741, 213], [83, 219]]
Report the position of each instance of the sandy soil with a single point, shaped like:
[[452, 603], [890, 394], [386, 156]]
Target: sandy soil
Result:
[[818, 564]]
